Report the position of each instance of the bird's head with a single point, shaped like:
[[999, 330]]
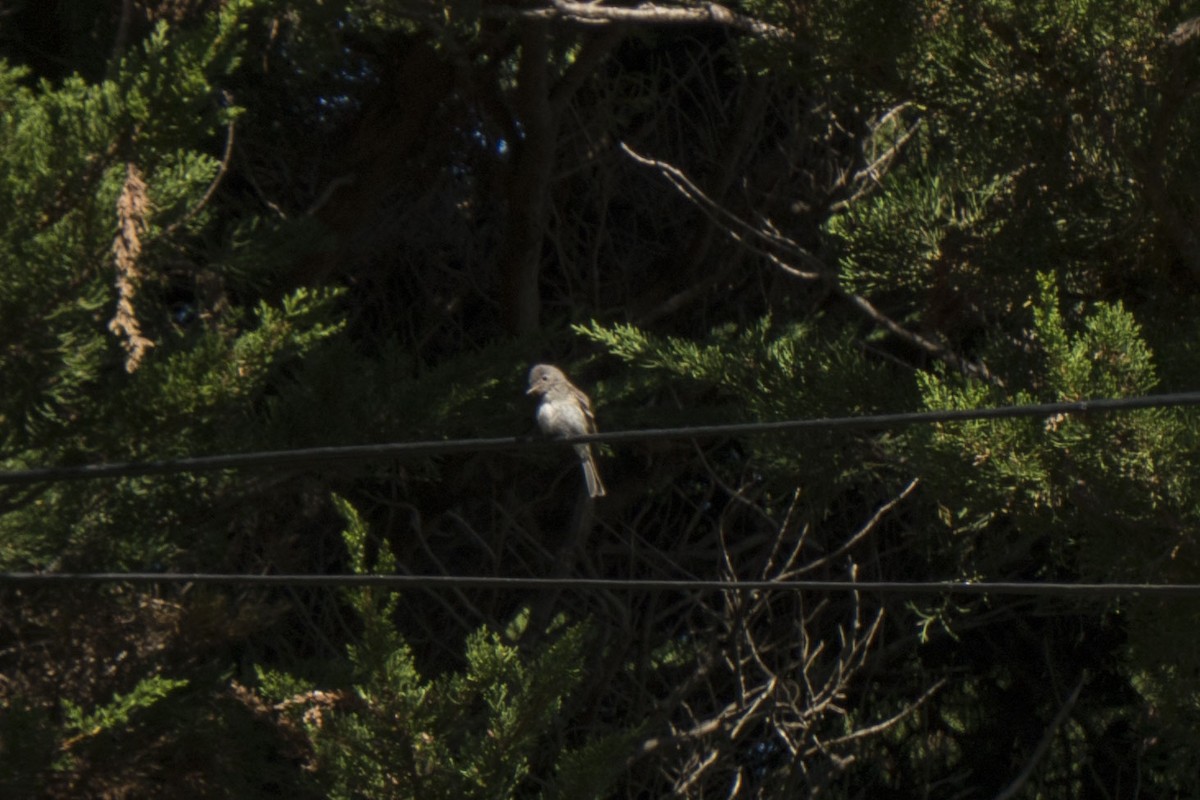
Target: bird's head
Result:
[[542, 377]]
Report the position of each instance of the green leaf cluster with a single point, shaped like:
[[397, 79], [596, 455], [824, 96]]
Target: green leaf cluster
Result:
[[1099, 497], [765, 371], [209, 397], [477, 733], [1083, 481], [62, 166], [114, 716]]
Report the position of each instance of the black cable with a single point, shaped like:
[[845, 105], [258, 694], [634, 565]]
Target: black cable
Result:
[[1048, 589], [320, 455]]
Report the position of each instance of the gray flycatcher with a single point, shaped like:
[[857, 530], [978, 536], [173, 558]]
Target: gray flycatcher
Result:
[[566, 411]]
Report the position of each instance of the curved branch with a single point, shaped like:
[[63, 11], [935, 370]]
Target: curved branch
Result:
[[765, 235], [212, 187]]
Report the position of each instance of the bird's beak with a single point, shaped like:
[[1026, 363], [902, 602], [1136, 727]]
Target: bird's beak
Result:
[[531, 390]]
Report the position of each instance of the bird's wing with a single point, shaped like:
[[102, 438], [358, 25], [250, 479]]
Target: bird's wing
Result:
[[585, 403]]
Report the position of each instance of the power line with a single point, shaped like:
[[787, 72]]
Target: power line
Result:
[[1033, 589], [322, 455]]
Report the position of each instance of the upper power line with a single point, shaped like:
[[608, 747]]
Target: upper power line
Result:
[[694, 585], [320, 455]]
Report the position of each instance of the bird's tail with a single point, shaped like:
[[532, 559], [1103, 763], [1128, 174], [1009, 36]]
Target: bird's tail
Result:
[[591, 475]]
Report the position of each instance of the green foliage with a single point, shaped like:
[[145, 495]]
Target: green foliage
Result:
[[587, 772], [117, 715], [1012, 165], [773, 369], [1013, 181], [910, 235], [222, 371], [472, 734], [210, 397], [478, 733], [1107, 358], [382, 651], [1100, 497], [764, 372], [63, 163], [1084, 482]]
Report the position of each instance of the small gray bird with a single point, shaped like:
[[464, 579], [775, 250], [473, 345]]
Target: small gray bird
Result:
[[566, 411]]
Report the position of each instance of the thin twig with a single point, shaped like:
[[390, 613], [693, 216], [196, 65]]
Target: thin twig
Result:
[[1047, 738], [861, 532], [880, 727], [216, 181]]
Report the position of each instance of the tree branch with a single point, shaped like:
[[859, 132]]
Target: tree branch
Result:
[[597, 13], [861, 532], [814, 269], [216, 181], [1047, 738]]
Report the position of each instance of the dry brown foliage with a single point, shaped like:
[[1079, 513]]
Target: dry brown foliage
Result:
[[133, 207]]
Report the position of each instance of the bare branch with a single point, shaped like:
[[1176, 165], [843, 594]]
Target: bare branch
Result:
[[598, 13], [787, 525], [815, 270], [122, 36], [1047, 738], [1185, 32], [861, 532], [880, 727], [327, 193], [871, 176], [734, 226]]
